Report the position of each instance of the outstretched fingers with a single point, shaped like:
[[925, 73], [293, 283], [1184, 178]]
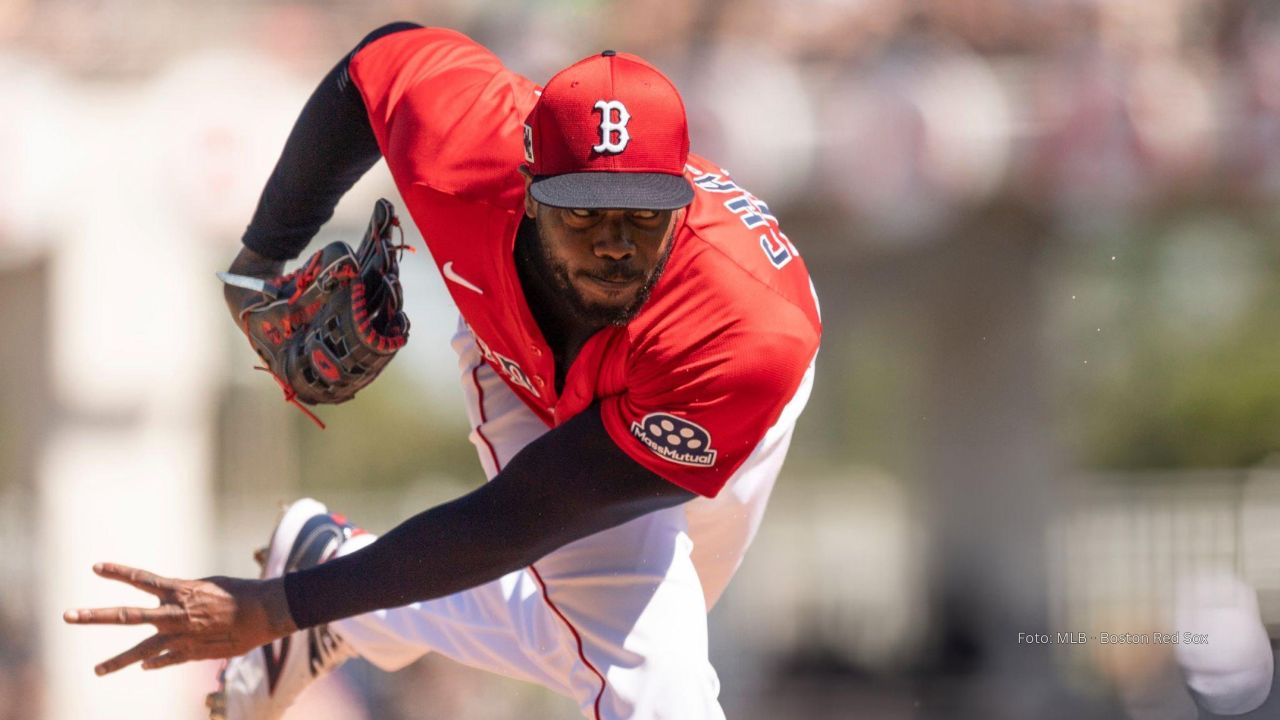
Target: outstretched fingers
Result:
[[140, 579], [164, 615], [173, 657], [180, 649], [194, 620], [161, 587], [144, 650]]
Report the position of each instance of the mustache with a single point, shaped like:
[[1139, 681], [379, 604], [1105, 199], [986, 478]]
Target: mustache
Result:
[[617, 273]]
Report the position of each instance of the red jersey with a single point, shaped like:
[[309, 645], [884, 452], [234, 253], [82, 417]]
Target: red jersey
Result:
[[687, 388]]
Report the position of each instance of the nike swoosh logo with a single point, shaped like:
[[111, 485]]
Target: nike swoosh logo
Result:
[[454, 277]]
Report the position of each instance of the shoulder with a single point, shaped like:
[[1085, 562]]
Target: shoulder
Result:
[[438, 71], [420, 54], [740, 226], [447, 113], [734, 280]]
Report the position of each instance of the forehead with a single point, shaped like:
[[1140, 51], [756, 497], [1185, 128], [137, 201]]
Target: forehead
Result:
[[604, 210]]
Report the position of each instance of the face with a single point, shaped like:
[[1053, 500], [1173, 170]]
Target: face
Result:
[[604, 262]]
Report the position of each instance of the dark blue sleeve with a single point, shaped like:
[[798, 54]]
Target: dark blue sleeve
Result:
[[330, 147], [571, 482]]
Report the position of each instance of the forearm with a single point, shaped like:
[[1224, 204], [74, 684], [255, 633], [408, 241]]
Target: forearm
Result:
[[568, 484], [443, 550], [330, 147], [275, 606]]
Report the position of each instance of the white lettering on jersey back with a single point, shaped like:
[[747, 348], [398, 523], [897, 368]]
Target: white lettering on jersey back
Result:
[[610, 127]]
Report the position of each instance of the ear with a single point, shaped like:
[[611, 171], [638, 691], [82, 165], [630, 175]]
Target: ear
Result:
[[530, 205]]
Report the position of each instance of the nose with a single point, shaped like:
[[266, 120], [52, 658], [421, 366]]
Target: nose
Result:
[[614, 241]]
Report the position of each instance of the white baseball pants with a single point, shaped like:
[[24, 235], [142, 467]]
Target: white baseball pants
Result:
[[617, 621]]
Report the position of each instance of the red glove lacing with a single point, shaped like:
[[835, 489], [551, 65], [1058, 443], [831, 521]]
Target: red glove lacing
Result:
[[291, 396], [307, 275]]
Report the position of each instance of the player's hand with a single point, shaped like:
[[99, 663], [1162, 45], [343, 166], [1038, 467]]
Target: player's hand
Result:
[[216, 617], [251, 264]]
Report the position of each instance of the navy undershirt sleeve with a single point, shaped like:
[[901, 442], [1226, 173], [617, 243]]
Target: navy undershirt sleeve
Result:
[[571, 482], [330, 147]]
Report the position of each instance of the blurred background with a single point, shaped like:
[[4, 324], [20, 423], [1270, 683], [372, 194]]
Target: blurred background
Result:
[[1043, 234]]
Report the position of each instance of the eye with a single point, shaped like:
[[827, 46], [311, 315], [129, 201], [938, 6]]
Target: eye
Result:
[[582, 213], [647, 220]]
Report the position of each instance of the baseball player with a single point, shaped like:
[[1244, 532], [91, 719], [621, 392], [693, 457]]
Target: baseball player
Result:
[[636, 343]]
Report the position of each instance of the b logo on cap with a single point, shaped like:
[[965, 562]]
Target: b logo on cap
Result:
[[613, 131]]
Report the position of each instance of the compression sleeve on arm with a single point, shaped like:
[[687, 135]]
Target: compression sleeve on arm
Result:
[[571, 482], [330, 147]]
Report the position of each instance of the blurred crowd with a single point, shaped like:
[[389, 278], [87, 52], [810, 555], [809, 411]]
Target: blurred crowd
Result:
[[878, 130], [899, 112]]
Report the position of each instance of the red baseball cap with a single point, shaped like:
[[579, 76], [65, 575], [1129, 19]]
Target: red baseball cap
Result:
[[609, 132]]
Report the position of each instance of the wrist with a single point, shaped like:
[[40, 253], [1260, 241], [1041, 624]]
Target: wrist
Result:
[[275, 606], [249, 262]]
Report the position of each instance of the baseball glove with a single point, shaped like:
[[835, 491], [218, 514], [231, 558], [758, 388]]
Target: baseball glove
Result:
[[327, 329]]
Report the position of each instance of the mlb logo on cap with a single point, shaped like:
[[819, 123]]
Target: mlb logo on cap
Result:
[[609, 132]]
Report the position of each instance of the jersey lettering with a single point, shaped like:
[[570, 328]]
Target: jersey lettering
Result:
[[712, 182], [751, 209], [506, 366], [777, 248], [753, 213], [614, 135]]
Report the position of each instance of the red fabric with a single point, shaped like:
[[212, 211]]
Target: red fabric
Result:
[[291, 396], [726, 336], [566, 123]]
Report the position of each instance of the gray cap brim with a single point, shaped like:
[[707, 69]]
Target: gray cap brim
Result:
[[613, 190]]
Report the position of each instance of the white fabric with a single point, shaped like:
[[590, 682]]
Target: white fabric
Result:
[[622, 628], [1228, 664]]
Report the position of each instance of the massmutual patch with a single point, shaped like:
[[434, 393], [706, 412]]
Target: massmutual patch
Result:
[[675, 439]]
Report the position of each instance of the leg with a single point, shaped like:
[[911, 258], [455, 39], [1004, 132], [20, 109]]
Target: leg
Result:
[[616, 621]]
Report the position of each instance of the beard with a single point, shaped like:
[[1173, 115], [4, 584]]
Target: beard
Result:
[[556, 274]]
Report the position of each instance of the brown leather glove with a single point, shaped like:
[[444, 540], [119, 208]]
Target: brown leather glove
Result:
[[327, 329]]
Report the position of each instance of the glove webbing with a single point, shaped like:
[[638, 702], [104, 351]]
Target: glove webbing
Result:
[[307, 275]]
